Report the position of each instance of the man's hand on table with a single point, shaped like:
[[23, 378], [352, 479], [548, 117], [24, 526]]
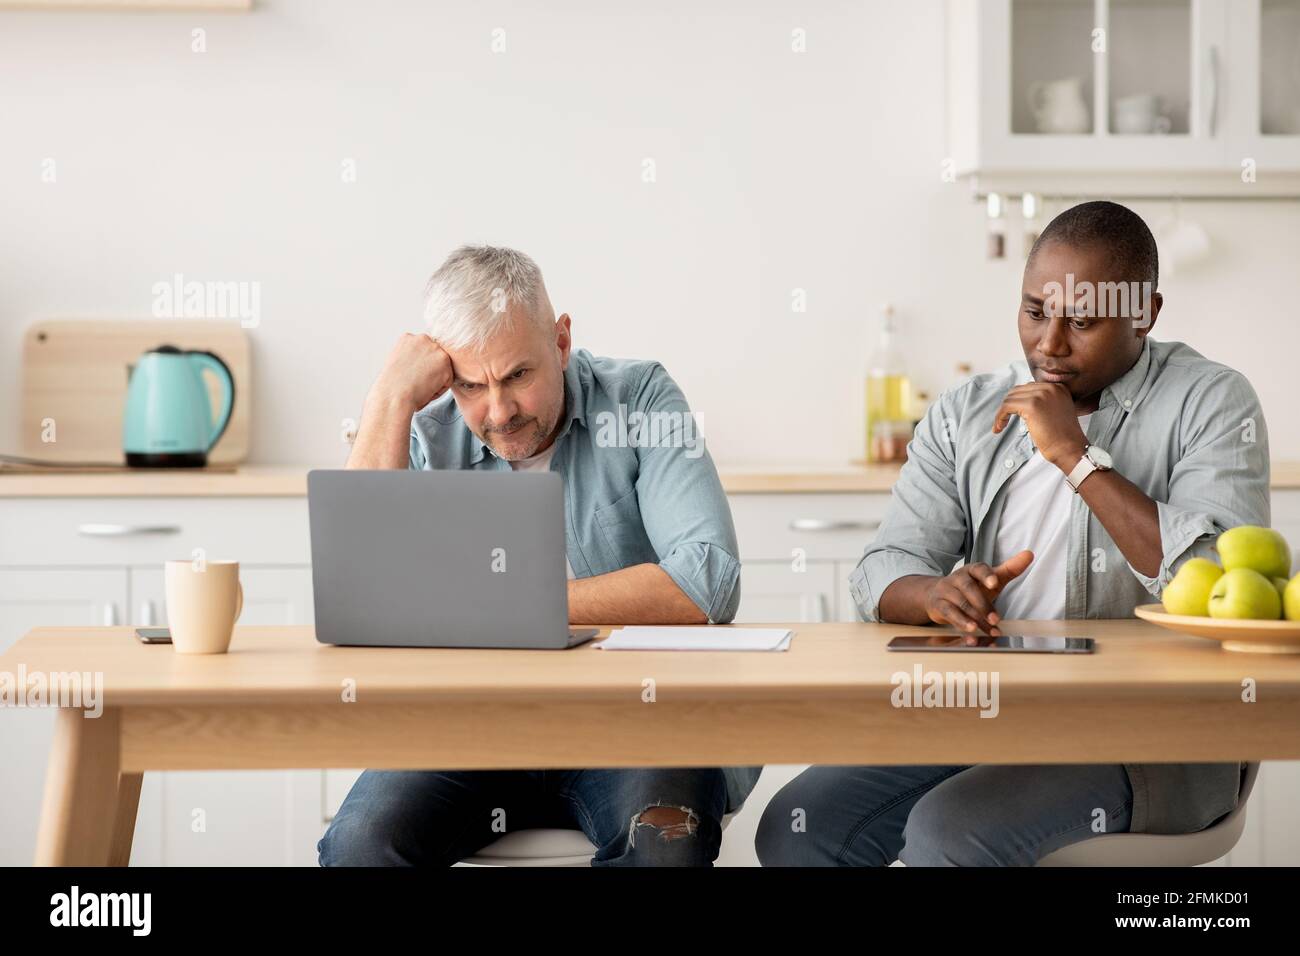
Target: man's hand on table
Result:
[[965, 598]]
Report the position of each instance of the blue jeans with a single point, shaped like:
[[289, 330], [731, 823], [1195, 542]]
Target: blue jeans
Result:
[[982, 815], [436, 818]]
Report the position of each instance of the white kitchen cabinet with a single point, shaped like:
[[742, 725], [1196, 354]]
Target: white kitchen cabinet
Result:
[[779, 591], [272, 595], [230, 817], [815, 527], [1286, 519], [1263, 100], [118, 546], [41, 597], [1274, 807], [823, 534], [133, 532], [1044, 86]]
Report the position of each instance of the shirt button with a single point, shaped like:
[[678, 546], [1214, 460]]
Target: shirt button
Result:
[[1009, 463], [1128, 403]]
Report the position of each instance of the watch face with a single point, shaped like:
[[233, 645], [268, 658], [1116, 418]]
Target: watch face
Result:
[[1100, 457]]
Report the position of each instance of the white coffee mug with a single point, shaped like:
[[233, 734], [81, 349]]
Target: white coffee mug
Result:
[[1140, 113], [204, 599]]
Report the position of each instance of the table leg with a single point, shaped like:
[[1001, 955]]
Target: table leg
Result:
[[128, 801], [82, 785]]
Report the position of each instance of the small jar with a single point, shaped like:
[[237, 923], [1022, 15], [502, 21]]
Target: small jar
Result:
[[889, 441]]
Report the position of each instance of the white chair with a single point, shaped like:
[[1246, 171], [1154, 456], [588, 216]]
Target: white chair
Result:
[[541, 847], [1160, 849]]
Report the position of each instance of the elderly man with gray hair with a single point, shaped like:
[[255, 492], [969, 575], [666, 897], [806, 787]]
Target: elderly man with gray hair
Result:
[[496, 385]]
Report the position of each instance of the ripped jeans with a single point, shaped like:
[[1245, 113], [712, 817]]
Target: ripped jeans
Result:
[[635, 817]]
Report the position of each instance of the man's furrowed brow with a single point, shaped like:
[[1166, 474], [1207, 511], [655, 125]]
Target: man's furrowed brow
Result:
[[1032, 299], [522, 363]]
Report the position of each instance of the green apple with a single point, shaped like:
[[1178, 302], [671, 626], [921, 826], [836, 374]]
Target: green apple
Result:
[[1243, 594], [1291, 600], [1259, 549], [1189, 591]]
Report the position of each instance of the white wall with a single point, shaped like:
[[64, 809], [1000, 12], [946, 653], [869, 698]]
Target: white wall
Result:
[[776, 170]]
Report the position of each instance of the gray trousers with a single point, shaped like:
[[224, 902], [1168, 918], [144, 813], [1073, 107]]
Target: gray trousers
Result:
[[984, 815]]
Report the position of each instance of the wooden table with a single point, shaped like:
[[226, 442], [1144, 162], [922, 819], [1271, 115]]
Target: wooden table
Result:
[[280, 700]]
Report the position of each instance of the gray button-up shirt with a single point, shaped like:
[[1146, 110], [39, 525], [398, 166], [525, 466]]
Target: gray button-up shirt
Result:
[[1188, 431], [639, 485]]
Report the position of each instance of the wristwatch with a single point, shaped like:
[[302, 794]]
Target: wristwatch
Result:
[[1095, 458]]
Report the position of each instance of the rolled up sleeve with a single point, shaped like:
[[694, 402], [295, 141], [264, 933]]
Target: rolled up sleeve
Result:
[[925, 528], [418, 460], [1220, 480], [683, 507]]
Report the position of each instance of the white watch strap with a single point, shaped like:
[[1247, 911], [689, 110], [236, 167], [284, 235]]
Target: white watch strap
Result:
[[1082, 470]]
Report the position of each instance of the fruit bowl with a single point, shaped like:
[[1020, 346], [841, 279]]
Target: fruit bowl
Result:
[[1266, 637]]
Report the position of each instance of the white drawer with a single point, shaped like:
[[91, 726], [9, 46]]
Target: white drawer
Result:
[[124, 531], [825, 526]]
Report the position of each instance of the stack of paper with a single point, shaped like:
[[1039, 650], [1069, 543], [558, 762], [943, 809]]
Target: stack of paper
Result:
[[697, 639]]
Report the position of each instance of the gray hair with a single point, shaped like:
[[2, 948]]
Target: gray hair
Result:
[[471, 296]]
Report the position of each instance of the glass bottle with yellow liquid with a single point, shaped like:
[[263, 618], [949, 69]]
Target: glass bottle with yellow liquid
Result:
[[888, 396]]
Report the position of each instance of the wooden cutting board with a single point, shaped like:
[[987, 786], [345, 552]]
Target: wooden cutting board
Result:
[[75, 371]]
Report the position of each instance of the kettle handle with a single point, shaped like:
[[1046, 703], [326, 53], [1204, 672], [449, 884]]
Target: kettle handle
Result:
[[205, 359]]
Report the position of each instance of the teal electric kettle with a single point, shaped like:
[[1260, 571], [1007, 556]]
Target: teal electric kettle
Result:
[[168, 420]]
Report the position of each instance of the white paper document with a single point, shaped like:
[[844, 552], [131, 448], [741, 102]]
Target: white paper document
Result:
[[697, 639]]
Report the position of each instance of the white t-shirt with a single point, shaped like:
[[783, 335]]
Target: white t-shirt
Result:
[[541, 462], [1035, 516]]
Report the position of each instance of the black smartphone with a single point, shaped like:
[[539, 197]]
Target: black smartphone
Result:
[[154, 635], [1007, 643]]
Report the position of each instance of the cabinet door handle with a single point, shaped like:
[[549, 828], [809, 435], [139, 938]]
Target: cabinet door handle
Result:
[[110, 614], [122, 530], [828, 524], [813, 608], [146, 614], [1214, 90]]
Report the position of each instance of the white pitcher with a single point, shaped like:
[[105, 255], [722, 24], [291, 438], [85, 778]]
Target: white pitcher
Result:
[[1059, 106]]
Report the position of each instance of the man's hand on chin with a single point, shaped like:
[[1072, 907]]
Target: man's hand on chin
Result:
[[1048, 409]]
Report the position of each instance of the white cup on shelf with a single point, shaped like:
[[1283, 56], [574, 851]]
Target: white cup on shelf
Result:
[[1140, 114]]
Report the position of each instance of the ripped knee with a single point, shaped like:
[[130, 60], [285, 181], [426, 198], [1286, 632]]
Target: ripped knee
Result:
[[668, 823]]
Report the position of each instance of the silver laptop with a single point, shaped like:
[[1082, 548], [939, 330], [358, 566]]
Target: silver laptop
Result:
[[439, 559]]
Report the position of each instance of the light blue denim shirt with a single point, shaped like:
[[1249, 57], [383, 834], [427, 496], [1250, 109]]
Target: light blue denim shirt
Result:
[[1188, 431], [639, 484]]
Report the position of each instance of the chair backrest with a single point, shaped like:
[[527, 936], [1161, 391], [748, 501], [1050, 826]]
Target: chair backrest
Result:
[[1248, 777], [1247, 783]]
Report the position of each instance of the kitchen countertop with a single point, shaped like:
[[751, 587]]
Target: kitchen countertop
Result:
[[291, 481]]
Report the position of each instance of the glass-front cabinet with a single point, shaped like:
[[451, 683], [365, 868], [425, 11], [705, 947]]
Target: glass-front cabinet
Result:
[[1264, 36], [1123, 85]]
